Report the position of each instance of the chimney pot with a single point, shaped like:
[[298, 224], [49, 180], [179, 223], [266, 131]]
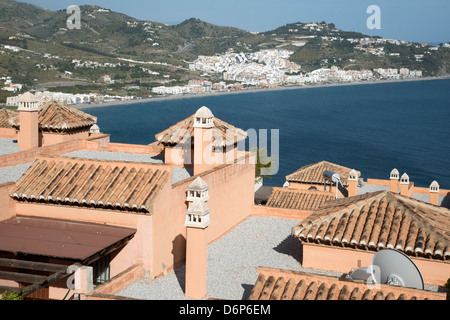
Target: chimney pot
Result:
[[404, 179], [434, 193], [394, 174]]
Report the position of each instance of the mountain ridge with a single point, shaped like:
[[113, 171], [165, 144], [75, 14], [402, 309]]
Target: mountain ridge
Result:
[[109, 37]]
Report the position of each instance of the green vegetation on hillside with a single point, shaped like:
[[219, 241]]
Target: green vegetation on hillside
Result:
[[49, 48]]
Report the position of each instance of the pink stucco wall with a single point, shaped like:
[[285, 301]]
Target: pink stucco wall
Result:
[[266, 211], [8, 133], [51, 138], [344, 259], [160, 241], [7, 204], [231, 198]]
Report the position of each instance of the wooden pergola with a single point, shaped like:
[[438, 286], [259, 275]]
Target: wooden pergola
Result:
[[22, 271], [36, 252]]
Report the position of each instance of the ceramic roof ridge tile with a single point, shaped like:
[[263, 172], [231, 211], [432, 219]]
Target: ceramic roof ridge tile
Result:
[[73, 189], [226, 134], [291, 198], [279, 284], [112, 184], [86, 182], [74, 178], [380, 220], [66, 117], [7, 117], [338, 207], [141, 196], [152, 188], [313, 173], [131, 199], [46, 182], [425, 213], [59, 180], [56, 116], [36, 172], [91, 191], [122, 187]]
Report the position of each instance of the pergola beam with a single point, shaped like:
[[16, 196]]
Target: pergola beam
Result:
[[36, 282], [48, 281], [32, 265], [22, 277]]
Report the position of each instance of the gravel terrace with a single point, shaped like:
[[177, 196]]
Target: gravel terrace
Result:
[[13, 173], [8, 146], [232, 262]]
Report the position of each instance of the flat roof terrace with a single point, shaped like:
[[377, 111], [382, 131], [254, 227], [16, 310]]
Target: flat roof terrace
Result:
[[179, 173], [443, 201], [233, 262], [13, 173], [8, 146]]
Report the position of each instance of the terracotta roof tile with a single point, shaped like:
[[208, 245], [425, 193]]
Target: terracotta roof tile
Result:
[[380, 220], [278, 284], [289, 198], [312, 173], [56, 116], [82, 182], [176, 133], [6, 116]]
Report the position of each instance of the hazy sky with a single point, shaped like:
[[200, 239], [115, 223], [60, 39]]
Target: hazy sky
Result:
[[411, 20]]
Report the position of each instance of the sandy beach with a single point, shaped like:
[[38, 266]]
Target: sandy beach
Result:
[[249, 90]]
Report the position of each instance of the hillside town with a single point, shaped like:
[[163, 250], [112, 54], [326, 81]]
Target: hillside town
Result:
[[273, 67], [236, 70], [239, 75]]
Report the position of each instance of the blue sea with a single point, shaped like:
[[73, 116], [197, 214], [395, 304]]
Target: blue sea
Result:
[[372, 128]]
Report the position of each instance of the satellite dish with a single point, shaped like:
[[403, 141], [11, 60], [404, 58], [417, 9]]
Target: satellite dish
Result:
[[391, 267], [397, 269]]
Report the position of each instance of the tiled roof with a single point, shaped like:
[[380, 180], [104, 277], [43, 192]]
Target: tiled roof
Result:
[[289, 198], [101, 184], [378, 220], [277, 284], [175, 134], [56, 116], [312, 173], [5, 117]]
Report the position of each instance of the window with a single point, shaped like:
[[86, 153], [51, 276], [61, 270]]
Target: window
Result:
[[101, 270]]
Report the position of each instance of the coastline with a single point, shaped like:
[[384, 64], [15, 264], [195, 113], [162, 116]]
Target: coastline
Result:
[[251, 90]]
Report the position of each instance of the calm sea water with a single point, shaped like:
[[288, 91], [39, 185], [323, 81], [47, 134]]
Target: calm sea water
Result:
[[372, 127]]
